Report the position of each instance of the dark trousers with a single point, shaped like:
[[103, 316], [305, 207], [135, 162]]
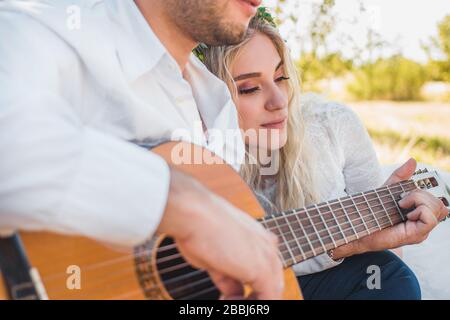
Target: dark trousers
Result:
[[354, 277]]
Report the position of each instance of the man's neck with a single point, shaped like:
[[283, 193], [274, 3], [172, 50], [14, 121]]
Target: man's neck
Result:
[[176, 41]]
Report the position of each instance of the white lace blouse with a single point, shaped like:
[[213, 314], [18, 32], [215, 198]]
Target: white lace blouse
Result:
[[346, 163]]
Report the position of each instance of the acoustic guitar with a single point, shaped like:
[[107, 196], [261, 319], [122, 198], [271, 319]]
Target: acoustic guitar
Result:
[[43, 265]]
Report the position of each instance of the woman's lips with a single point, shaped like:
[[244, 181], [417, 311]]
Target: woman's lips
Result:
[[278, 124]]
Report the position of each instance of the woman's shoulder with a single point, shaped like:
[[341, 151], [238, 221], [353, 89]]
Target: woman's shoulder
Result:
[[322, 115]]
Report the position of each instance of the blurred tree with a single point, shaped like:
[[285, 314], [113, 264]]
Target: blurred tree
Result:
[[395, 78], [314, 69], [439, 52], [376, 72], [316, 61]]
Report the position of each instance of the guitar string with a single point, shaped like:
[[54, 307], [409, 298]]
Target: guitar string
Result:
[[132, 270], [329, 235], [186, 276], [309, 251], [340, 201], [214, 288], [172, 245], [304, 237], [326, 205]]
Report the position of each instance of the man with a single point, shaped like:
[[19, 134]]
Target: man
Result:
[[78, 79]]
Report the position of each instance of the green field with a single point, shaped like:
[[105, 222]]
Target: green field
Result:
[[402, 130]]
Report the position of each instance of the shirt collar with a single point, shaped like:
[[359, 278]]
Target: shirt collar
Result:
[[138, 48], [210, 101]]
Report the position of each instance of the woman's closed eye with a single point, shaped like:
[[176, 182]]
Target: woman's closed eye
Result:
[[282, 78], [254, 89], [248, 90]]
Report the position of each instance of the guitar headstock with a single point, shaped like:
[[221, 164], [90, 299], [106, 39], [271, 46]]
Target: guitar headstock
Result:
[[432, 182]]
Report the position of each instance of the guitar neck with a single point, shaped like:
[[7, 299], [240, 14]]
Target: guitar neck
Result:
[[308, 232]]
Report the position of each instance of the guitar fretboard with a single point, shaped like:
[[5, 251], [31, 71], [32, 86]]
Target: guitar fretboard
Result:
[[311, 231]]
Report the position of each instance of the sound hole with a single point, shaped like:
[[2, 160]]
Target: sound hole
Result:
[[179, 278]]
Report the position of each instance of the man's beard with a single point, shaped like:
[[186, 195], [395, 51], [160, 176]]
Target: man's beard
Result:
[[203, 21]]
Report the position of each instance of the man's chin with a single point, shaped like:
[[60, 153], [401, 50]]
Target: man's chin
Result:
[[235, 35]]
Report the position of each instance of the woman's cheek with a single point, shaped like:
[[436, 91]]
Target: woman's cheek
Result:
[[248, 115]]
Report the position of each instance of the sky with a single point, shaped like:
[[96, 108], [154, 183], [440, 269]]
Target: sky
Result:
[[403, 22]]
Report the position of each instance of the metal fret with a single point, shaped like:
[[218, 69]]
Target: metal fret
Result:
[[400, 210], [295, 236], [359, 213], [264, 222], [326, 226], [349, 221], [317, 233], [371, 211], [381, 202], [337, 223], [286, 243], [306, 235]]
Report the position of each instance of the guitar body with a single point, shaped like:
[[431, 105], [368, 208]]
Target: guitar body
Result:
[[72, 267]]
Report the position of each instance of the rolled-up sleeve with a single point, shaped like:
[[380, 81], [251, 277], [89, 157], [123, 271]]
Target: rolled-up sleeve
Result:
[[58, 174]]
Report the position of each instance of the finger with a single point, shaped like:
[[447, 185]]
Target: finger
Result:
[[445, 213], [424, 218], [414, 215], [411, 199], [228, 287], [270, 286], [422, 198], [403, 173]]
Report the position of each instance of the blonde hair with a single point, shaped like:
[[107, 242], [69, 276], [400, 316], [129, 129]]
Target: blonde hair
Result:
[[295, 183]]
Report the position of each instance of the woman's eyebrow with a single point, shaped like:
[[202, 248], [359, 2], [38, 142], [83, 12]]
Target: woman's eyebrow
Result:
[[254, 74], [247, 75]]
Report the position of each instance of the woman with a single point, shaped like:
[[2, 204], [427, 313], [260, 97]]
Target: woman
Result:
[[322, 148]]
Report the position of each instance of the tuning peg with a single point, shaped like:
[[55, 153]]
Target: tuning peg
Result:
[[420, 171]]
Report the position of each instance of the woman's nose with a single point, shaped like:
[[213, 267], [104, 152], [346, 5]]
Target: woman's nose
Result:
[[277, 99]]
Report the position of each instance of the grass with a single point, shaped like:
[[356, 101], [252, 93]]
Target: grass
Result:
[[403, 130]]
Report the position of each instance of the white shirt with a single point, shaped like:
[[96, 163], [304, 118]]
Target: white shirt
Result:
[[346, 162], [71, 100]]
